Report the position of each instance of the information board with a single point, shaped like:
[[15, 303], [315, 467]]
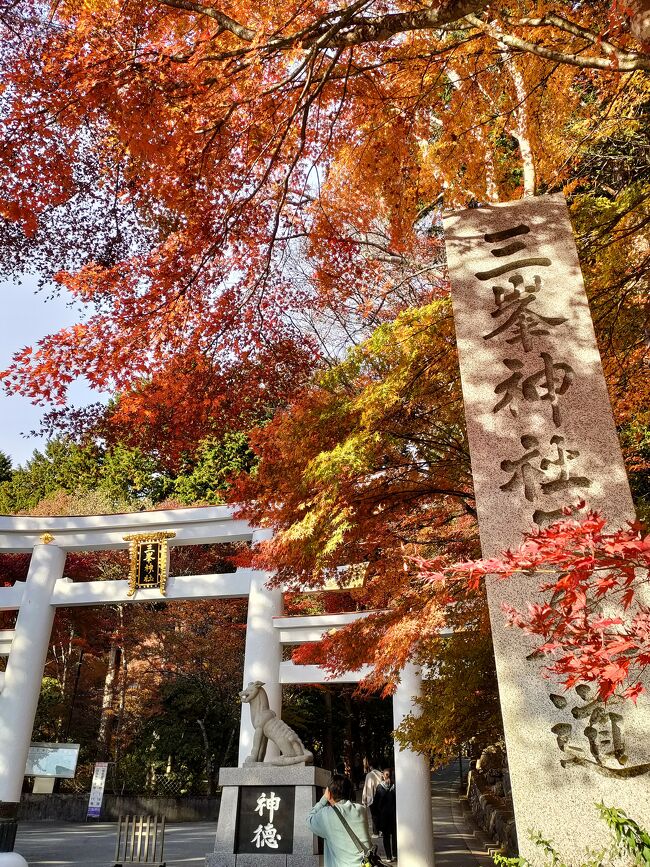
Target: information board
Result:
[[52, 760], [97, 790]]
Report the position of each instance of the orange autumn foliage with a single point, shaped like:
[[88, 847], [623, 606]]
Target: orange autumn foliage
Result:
[[233, 191], [238, 193]]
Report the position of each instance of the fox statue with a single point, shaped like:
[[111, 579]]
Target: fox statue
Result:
[[269, 727]]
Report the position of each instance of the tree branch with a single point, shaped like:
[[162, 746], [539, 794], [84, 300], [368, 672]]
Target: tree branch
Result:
[[224, 21], [382, 27], [351, 29], [620, 62], [355, 31], [553, 20]]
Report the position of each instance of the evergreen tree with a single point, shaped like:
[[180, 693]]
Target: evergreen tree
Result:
[[5, 467]]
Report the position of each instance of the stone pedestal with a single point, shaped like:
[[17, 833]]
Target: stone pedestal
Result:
[[262, 816]]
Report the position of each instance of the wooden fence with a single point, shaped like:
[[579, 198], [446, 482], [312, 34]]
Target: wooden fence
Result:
[[140, 840]]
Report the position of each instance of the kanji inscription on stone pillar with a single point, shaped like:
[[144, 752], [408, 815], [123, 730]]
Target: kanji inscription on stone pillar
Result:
[[542, 436]]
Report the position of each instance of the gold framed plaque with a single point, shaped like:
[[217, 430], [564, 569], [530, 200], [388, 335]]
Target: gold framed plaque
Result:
[[149, 565]]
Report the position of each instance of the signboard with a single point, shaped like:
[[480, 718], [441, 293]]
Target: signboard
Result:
[[265, 820], [149, 557], [52, 760], [97, 790]]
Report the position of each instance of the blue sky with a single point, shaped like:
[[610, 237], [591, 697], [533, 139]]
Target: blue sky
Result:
[[26, 316]]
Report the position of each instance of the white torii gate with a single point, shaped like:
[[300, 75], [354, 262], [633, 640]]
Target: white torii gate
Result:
[[35, 600]]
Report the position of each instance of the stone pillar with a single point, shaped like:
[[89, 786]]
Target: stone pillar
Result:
[[263, 652], [22, 682], [541, 437], [412, 783]]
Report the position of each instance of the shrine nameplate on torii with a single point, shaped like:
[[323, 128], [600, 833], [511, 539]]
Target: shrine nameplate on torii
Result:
[[541, 436]]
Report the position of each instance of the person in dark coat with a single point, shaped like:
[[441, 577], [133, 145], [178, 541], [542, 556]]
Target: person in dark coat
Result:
[[386, 812]]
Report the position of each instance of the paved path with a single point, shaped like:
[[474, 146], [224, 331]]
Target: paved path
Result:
[[456, 843], [46, 844]]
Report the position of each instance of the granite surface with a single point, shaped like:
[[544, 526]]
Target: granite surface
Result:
[[541, 436], [307, 781], [304, 842], [262, 860], [220, 860], [272, 775], [303, 860], [227, 823]]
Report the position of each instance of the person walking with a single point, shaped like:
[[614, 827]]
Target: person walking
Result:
[[386, 812], [340, 850], [373, 779]]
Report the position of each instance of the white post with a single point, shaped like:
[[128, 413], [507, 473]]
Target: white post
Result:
[[412, 783], [263, 652], [23, 676], [22, 682]]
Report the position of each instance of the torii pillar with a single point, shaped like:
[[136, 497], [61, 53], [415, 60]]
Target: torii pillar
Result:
[[412, 782], [263, 652], [22, 681]]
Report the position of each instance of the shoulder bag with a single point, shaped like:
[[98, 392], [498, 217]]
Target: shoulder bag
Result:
[[370, 856]]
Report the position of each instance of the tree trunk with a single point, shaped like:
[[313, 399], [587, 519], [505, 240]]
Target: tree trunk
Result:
[[209, 771], [117, 742], [328, 758], [348, 747], [122, 704], [63, 669], [226, 752], [491, 188], [73, 697], [107, 720], [520, 132]]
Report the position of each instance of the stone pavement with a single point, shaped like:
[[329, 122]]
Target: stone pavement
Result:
[[456, 843], [47, 844]]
